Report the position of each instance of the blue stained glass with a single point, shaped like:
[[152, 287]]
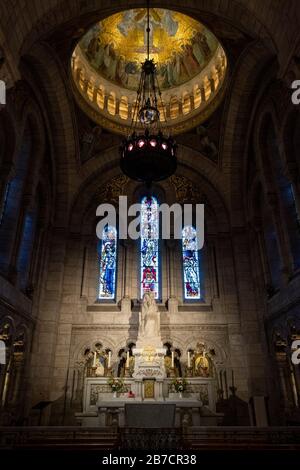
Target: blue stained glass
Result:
[[108, 264], [26, 247], [190, 262], [149, 246]]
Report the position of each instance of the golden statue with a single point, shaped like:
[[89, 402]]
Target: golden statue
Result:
[[202, 362]]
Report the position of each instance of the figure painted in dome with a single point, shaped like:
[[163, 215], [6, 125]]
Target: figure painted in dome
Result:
[[204, 45], [189, 59], [110, 61], [197, 50], [169, 24], [121, 74], [93, 47]]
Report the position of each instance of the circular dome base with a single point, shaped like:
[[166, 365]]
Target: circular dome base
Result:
[[190, 63]]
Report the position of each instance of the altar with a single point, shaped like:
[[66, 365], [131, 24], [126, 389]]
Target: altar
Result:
[[196, 407], [146, 383]]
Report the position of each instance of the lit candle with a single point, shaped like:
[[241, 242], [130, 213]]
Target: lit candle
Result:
[[189, 359], [127, 360], [109, 359], [94, 361], [172, 364]]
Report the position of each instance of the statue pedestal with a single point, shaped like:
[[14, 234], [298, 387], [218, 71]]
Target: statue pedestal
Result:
[[149, 372], [149, 363]]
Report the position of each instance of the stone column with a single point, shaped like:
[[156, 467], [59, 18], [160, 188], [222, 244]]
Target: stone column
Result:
[[105, 101], [117, 108], [126, 273], [85, 86], [283, 237], [173, 300], [203, 97], [168, 111], [212, 85], [192, 101], [179, 108], [259, 251]]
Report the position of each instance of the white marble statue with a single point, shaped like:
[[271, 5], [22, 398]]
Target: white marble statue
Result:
[[149, 352], [149, 318]]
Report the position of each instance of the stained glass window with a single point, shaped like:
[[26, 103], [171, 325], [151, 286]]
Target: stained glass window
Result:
[[26, 247], [108, 264], [190, 261], [149, 246]]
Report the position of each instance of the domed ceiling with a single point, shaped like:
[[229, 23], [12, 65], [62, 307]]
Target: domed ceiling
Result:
[[190, 64]]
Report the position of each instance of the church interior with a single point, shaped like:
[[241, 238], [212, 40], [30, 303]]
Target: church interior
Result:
[[109, 335]]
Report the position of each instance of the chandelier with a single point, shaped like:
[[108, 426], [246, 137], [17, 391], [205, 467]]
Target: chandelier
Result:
[[147, 154]]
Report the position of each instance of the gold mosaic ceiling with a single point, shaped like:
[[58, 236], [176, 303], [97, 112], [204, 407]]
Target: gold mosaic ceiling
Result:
[[190, 62], [180, 46]]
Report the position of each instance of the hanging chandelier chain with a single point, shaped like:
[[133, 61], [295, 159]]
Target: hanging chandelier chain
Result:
[[148, 155], [148, 30]]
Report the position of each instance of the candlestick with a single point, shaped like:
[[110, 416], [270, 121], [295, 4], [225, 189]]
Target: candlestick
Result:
[[94, 360], [109, 360], [189, 359], [127, 360], [172, 363]]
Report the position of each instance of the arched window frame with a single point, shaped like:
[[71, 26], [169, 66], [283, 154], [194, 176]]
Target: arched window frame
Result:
[[111, 297], [192, 244], [155, 237]]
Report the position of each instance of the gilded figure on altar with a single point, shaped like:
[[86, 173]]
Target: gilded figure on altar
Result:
[[202, 362]]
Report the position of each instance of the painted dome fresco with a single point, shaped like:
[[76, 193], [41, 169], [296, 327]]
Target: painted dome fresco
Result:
[[190, 65]]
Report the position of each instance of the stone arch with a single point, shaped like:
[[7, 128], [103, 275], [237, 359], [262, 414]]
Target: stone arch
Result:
[[221, 352], [53, 95], [291, 139], [79, 349], [174, 340], [267, 123], [11, 322], [252, 79], [84, 199]]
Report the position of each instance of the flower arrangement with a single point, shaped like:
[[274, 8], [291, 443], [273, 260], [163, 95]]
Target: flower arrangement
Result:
[[179, 384], [115, 384]]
